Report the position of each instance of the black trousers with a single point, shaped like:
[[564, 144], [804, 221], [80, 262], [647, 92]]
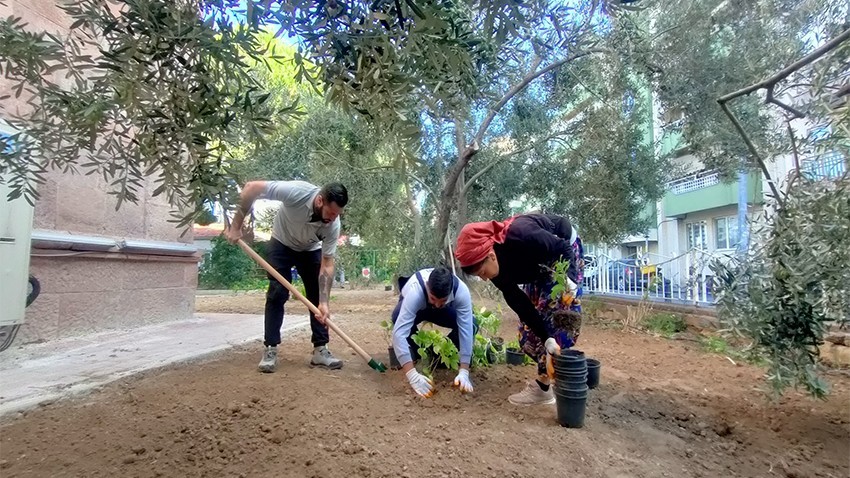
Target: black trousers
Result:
[[307, 263]]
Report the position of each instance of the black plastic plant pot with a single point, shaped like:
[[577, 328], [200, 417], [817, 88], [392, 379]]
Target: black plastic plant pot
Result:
[[570, 372], [571, 390], [593, 369], [569, 360], [572, 379], [571, 354], [493, 355], [393, 359], [514, 357], [570, 411]]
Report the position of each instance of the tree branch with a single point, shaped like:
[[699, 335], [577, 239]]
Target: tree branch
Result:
[[505, 156], [754, 152], [466, 154], [532, 75], [767, 83], [770, 99], [796, 174]]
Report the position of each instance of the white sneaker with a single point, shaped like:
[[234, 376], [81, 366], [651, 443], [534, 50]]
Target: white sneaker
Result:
[[269, 360], [533, 395], [324, 358]]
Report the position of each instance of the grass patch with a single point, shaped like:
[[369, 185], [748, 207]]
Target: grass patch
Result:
[[718, 345], [665, 323], [715, 345]]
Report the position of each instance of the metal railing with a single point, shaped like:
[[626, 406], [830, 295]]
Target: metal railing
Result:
[[694, 182], [824, 166], [685, 279]]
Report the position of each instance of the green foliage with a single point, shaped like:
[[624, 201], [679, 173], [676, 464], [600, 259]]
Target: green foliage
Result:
[[250, 283], [734, 45], [559, 273], [480, 345], [160, 97], [793, 282], [225, 265], [714, 344], [387, 328], [488, 321], [205, 217], [512, 345], [434, 348], [665, 323]]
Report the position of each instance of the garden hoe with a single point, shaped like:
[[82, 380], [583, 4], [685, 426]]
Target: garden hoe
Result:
[[375, 364]]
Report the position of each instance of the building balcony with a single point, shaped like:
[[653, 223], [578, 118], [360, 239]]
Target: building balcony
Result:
[[704, 190], [831, 165], [651, 235]]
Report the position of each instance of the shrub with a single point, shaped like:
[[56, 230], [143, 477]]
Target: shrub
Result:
[[665, 323]]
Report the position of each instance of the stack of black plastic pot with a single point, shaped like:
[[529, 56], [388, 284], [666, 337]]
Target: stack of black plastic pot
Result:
[[571, 387]]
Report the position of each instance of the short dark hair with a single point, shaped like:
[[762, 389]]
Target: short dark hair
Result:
[[473, 268], [440, 282], [335, 192]]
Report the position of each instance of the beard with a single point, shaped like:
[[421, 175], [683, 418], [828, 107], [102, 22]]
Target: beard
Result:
[[318, 216]]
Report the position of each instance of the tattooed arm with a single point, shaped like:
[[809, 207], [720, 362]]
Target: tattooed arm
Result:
[[326, 280]]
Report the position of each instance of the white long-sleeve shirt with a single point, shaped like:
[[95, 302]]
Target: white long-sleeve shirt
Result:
[[414, 300]]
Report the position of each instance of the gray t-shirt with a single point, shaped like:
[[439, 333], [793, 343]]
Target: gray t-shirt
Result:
[[292, 226]]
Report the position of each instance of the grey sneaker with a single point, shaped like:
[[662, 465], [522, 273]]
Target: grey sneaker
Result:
[[323, 357], [269, 361], [533, 395]]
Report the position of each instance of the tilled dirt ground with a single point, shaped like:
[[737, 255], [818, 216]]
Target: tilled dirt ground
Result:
[[664, 408]]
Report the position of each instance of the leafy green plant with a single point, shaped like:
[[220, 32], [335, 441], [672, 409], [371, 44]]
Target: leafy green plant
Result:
[[665, 323], [793, 283], [435, 348], [714, 344], [387, 327], [480, 345], [559, 274], [488, 322], [250, 283], [512, 345]]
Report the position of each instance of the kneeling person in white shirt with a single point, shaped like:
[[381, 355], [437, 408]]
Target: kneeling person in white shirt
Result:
[[436, 296]]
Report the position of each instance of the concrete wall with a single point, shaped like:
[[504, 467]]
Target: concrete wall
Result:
[[89, 292]]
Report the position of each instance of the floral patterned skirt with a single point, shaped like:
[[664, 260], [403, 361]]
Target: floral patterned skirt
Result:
[[562, 315]]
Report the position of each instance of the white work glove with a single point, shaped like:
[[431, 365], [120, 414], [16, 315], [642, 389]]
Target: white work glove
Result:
[[572, 286], [552, 347], [422, 385], [463, 382]]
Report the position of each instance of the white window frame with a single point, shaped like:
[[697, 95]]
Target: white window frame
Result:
[[731, 224], [703, 245]]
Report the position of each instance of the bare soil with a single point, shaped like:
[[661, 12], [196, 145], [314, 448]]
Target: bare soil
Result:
[[664, 408]]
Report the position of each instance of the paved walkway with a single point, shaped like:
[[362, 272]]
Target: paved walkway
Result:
[[44, 372]]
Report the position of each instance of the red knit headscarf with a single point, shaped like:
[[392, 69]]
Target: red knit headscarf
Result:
[[476, 239]]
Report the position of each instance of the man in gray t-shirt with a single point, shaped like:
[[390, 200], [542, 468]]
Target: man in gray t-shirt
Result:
[[304, 236]]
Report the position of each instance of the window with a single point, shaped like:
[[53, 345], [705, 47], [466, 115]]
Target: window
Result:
[[726, 230], [696, 235]]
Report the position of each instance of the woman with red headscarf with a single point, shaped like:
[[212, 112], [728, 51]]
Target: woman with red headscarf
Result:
[[523, 251]]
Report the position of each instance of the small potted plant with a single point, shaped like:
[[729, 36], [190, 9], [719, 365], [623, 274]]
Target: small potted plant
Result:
[[387, 327], [489, 323], [513, 354]]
